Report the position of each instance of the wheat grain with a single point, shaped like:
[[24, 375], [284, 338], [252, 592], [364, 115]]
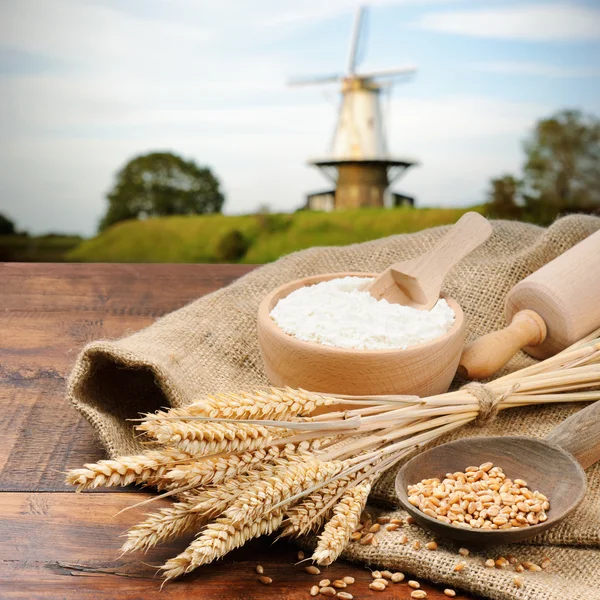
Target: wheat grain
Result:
[[346, 516], [212, 501], [274, 403]]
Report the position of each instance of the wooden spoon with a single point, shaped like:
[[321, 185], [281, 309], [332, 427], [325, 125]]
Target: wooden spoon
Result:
[[553, 466], [417, 282]]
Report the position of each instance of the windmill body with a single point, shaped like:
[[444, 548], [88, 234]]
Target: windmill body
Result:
[[358, 161], [359, 133]]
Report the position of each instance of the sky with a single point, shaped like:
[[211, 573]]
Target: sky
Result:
[[85, 85]]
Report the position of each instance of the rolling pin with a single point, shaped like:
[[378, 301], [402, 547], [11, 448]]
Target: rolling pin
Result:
[[546, 312]]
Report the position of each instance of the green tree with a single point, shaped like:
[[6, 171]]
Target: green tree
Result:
[[502, 198], [161, 184], [7, 227], [562, 169]]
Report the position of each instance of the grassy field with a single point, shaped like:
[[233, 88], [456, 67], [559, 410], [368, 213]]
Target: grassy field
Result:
[[45, 248], [255, 238]]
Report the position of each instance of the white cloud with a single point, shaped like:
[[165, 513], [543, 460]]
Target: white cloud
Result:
[[536, 22], [535, 69]]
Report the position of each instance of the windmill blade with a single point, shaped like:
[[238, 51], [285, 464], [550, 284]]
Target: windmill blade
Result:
[[316, 80], [355, 39], [393, 72]]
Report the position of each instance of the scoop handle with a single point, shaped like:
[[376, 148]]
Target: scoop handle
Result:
[[469, 232], [483, 357], [579, 435]]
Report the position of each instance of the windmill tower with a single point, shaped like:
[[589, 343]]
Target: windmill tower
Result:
[[359, 162]]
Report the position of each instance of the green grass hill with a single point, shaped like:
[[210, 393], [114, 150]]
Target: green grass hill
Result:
[[258, 238]]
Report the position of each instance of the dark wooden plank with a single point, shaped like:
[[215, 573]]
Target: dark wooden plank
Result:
[[156, 289], [67, 546], [47, 313]]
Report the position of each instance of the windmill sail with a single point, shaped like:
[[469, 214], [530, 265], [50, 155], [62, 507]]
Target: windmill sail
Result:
[[354, 42]]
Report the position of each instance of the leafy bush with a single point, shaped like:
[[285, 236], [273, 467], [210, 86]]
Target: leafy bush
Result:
[[232, 246]]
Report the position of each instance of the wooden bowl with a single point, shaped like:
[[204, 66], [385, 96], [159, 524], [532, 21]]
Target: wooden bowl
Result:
[[424, 369]]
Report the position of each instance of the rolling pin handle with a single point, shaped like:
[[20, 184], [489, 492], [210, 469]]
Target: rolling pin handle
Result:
[[488, 354]]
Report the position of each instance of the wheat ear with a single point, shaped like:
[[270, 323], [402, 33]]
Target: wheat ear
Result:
[[211, 438], [146, 468], [309, 513], [195, 509], [216, 469], [287, 480], [167, 524], [219, 468], [217, 539], [283, 403], [346, 516]]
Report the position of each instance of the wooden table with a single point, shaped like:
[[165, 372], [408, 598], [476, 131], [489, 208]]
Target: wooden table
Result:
[[58, 544]]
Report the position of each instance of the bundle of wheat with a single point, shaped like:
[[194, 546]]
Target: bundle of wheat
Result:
[[245, 465]]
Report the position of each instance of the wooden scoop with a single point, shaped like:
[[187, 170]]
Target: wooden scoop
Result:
[[553, 466], [417, 282]]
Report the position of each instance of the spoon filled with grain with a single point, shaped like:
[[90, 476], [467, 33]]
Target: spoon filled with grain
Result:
[[501, 490]]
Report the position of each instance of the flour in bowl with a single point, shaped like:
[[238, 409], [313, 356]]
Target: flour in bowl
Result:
[[337, 313]]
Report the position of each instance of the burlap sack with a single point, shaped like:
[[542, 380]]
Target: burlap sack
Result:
[[211, 345]]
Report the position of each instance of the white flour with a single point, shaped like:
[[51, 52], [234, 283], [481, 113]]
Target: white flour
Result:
[[337, 313]]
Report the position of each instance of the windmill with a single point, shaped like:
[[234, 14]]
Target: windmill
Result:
[[359, 162]]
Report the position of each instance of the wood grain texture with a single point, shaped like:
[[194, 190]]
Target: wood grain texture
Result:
[[565, 294], [58, 544], [545, 467], [423, 370]]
